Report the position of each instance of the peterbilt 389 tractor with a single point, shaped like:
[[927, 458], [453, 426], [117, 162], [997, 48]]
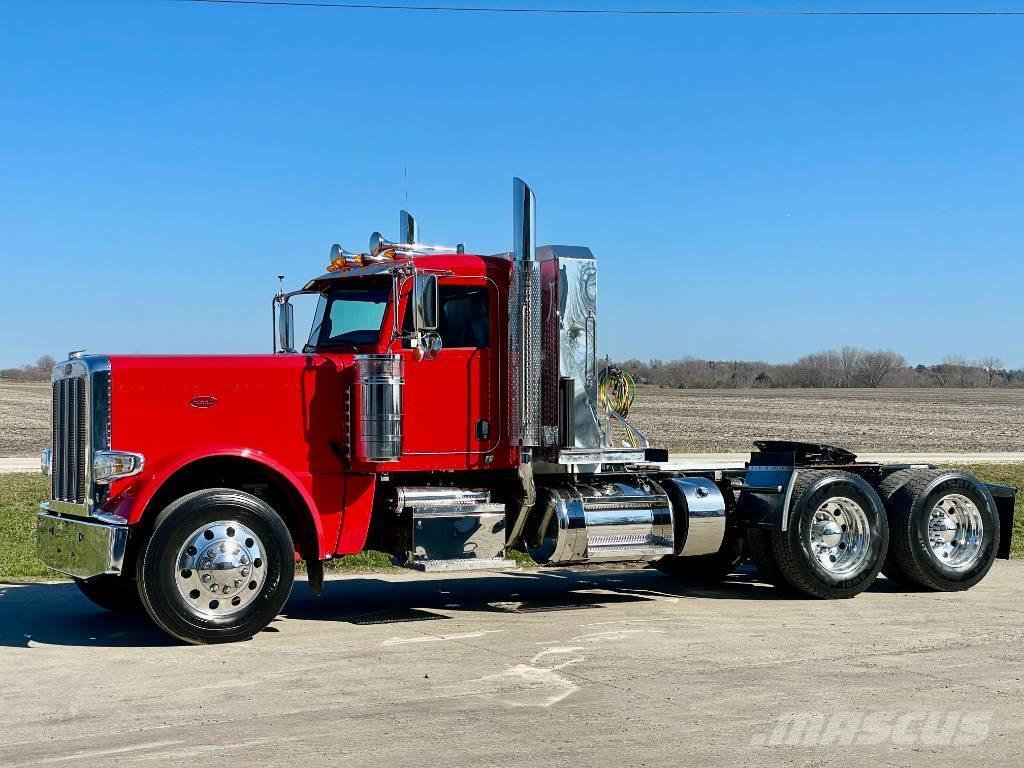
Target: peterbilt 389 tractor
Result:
[[445, 408]]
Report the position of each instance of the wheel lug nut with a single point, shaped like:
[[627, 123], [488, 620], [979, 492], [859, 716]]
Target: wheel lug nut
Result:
[[238, 582], [245, 571], [213, 587], [206, 577]]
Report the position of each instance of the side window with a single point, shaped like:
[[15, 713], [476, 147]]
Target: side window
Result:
[[465, 319], [465, 315]]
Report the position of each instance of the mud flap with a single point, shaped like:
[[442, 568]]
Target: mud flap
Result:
[[1004, 497], [315, 574]]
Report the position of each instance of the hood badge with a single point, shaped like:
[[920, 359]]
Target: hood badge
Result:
[[203, 401]]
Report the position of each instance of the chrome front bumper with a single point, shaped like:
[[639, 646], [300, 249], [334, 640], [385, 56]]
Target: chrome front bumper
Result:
[[80, 548]]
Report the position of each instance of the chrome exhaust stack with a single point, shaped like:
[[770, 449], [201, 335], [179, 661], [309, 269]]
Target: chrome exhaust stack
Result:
[[408, 230], [524, 322]]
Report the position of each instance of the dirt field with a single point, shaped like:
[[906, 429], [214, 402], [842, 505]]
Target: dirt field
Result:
[[912, 420], [692, 421], [24, 418]]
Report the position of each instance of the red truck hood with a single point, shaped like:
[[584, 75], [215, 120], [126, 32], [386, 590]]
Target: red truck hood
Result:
[[288, 407]]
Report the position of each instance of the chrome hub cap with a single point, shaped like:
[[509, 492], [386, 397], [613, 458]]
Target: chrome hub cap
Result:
[[839, 537], [221, 568], [956, 532]]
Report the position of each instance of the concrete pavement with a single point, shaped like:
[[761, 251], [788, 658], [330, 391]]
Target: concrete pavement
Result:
[[19, 464], [535, 668]]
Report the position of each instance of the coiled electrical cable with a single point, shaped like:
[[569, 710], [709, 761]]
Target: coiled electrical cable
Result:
[[616, 390]]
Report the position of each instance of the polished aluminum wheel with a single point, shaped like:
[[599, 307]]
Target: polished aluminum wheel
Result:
[[840, 536], [221, 568], [956, 532]]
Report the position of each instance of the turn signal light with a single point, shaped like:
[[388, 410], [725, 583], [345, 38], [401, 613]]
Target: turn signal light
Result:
[[112, 465], [348, 260]]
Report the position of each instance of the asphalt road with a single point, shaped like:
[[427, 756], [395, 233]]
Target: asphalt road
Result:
[[588, 668]]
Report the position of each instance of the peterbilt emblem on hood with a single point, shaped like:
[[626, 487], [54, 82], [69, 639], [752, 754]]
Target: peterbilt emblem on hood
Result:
[[203, 401]]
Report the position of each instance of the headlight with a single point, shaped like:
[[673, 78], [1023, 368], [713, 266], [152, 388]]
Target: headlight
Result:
[[112, 465], [45, 462]]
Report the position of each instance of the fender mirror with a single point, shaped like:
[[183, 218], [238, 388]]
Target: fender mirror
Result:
[[286, 326]]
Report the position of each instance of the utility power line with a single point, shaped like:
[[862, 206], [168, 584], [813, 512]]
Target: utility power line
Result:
[[594, 11]]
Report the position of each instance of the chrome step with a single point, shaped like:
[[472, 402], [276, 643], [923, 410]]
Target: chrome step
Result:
[[454, 529], [463, 564]]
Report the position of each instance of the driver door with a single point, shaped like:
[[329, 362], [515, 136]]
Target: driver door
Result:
[[450, 402]]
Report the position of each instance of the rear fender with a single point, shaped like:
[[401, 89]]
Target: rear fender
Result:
[[767, 508]]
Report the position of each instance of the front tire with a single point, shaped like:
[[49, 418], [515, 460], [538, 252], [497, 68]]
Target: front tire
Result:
[[118, 594], [217, 567], [837, 536]]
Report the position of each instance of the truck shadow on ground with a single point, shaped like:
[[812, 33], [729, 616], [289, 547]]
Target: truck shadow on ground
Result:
[[58, 614], [373, 600]]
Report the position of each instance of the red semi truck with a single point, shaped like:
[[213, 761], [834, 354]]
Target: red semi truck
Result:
[[445, 408]]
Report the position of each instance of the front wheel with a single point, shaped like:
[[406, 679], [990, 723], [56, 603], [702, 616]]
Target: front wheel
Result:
[[217, 567]]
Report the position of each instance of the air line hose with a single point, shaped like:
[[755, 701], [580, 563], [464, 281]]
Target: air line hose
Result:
[[616, 390]]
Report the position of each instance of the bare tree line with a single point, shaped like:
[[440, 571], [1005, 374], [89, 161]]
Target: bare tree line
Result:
[[844, 367], [833, 368], [39, 371]]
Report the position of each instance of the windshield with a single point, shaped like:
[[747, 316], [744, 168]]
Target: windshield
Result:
[[350, 315]]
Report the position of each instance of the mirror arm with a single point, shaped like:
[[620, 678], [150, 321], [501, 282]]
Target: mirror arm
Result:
[[396, 300], [416, 304]]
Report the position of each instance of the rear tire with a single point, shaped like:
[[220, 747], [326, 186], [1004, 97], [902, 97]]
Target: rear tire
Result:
[[945, 531], [759, 545], [837, 536], [713, 567], [890, 568], [114, 593], [218, 567]]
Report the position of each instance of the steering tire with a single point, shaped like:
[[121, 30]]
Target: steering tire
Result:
[[217, 567]]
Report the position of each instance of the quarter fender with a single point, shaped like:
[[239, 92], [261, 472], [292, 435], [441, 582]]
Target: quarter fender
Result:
[[130, 498]]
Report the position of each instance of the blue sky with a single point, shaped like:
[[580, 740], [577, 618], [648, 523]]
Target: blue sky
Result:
[[753, 187]]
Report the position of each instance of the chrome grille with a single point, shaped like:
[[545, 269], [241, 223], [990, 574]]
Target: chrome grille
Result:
[[70, 439]]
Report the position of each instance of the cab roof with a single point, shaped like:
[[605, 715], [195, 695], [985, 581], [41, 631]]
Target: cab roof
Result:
[[455, 263]]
